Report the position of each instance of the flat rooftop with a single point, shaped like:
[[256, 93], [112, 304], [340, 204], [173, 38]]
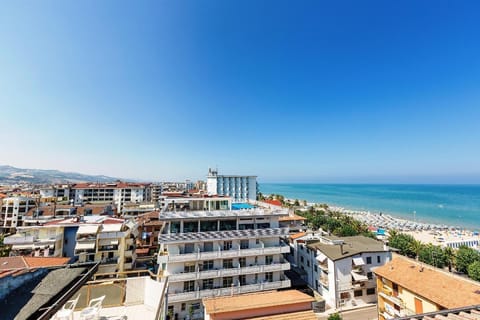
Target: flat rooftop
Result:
[[221, 235], [255, 300], [257, 212]]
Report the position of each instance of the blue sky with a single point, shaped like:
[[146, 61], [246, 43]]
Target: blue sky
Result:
[[338, 91]]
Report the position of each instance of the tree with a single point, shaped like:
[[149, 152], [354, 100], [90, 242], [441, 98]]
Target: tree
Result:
[[296, 203], [449, 257], [402, 242], [334, 316], [465, 257], [433, 255], [416, 246], [474, 270], [4, 250]]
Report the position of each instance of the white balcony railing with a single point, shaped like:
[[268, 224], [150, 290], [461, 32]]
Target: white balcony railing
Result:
[[209, 255], [199, 294], [228, 272]]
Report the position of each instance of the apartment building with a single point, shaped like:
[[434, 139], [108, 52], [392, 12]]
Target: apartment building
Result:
[[13, 211], [83, 239], [406, 287], [239, 188], [118, 193], [341, 269], [219, 252]]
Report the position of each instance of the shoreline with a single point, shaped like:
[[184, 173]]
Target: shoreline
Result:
[[436, 234]]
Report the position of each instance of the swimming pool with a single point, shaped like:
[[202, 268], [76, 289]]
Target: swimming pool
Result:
[[239, 206]]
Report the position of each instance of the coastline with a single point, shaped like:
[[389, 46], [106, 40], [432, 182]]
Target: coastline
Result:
[[436, 234]]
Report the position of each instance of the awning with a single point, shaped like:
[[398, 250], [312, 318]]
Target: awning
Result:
[[22, 246], [85, 245], [358, 261], [358, 277], [107, 242], [90, 229], [114, 227], [321, 257]]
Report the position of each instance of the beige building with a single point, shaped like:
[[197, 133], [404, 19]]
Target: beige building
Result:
[[406, 287]]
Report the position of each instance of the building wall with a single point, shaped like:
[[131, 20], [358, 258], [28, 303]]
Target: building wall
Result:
[[258, 312]]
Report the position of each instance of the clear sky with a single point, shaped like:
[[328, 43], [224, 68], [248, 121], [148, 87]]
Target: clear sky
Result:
[[324, 91]]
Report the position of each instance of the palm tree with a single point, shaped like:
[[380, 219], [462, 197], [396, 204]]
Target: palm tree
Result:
[[416, 246], [449, 257]]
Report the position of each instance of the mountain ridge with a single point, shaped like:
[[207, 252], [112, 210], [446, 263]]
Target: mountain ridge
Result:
[[13, 175]]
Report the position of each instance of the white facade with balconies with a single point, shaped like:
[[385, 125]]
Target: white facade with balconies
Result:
[[239, 188], [222, 252]]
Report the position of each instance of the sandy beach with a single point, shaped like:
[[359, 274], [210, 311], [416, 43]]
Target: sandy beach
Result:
[[435, 234]]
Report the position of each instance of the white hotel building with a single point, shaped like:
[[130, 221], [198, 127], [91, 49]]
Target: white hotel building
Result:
[[207, 253], [239, 188]]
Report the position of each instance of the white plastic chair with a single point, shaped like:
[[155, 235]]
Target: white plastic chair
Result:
[[66, 313], [92, 312]]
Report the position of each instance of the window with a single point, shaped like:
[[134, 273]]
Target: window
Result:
[[344, 295], [268, 259], [189, 286], [256, 260], [301, 247], [301, 259], [357, 293], [207, 284], [184, 306], [308, 263], [369, 275], [242, 262], [370, 291], [269, 276], [379, 259], [315, 268], [257, 241], [242, 279], [243, 244], [227, 245], [189, 267], [369, 260], [228, 264], [208, 265], [227, 281], [170, 309], [308, 250]]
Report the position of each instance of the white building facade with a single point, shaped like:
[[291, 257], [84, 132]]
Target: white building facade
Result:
[[239, 188], [341, 269], [13, 211], [221, 252]]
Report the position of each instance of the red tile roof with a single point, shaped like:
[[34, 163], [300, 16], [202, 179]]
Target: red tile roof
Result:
[[39, 262], [298, 235], [274, 202]]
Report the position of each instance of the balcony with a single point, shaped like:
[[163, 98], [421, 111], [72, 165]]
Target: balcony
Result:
[[228, 272], [391, 298], [112, 235], [199, 294], [219, 254]]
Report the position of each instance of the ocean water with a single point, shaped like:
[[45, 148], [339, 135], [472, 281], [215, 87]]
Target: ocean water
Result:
[[453, 205]]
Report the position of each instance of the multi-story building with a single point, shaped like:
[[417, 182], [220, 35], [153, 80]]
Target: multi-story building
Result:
[[56, 192], [219, 252], [117, 193], [13, 210], [341, 269], [84, 239], [239, 188], [406, 287]]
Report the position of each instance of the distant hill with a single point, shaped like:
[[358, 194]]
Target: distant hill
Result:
[[12, 175]]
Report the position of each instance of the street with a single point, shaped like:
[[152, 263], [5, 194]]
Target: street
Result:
[[368, 313]]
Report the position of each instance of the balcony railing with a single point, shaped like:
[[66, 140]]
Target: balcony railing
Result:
[[228, 272], [112, 235], [209, 255], [199, 294]]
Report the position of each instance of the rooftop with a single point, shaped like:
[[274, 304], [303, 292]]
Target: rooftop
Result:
[[298, 235], [20, 262], [435, 285], [351, 246], [171, 215], [254, 301], [220, 235], [301, 315], [292, 217]]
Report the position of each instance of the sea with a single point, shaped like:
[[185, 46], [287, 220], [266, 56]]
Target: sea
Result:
[[451, 205]]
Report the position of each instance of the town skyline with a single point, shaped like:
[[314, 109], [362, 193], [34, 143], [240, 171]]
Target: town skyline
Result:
[[359, 93]]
